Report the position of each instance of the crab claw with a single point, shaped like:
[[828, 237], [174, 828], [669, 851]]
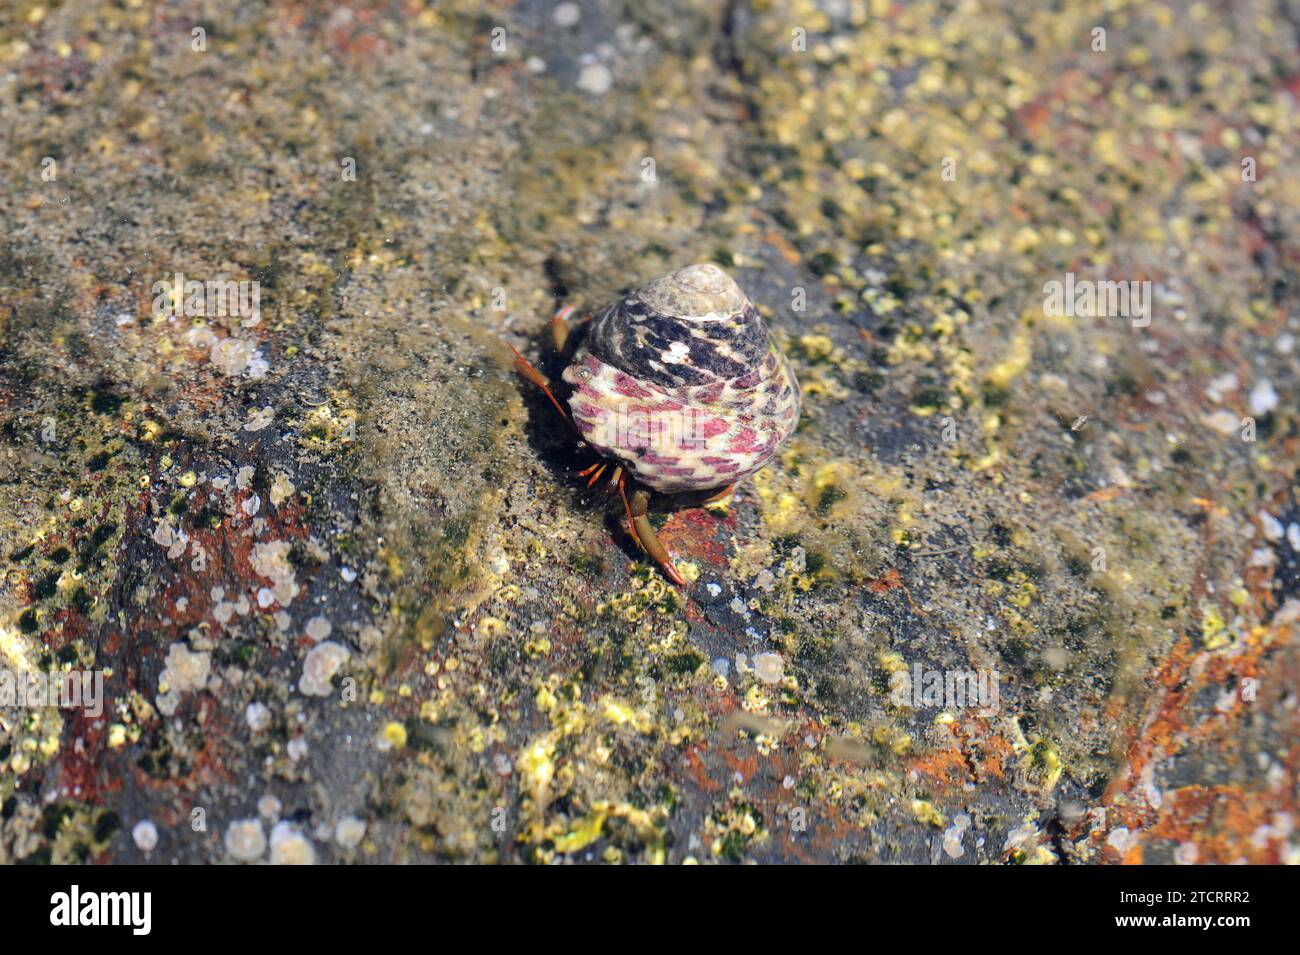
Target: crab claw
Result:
[[560, 328], [644, 533]]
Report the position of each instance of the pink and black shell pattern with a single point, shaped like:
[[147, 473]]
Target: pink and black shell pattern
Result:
[[681, 384]]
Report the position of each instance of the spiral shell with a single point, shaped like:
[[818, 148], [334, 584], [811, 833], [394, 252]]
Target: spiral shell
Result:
[[680, 382]]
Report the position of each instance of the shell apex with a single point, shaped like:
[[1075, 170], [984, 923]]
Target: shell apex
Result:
[[700, 292]]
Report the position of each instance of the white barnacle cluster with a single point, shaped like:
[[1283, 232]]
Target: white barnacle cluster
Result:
[[318, 628], [323, 661], [289, 846], [223, 610], [234, 357], [170, 537], [270, 560], [246, 839], [259, 418], [184, 670]]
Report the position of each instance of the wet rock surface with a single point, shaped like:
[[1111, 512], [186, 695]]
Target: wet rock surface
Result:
[[1023, 587]]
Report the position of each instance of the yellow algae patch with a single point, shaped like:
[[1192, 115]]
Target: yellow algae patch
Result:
[[1214, 631], [536, 762], [828, 485], [621, 714], [781, 510], [1045, 758], [1017, 360], [574, 837], [816, 347], [891, 661], [987, 461], [586, 832], [926, 812], [490, 627], [394, 735]]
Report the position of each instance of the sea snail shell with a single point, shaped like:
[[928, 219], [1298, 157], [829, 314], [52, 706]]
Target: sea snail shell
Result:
[[679, 382]]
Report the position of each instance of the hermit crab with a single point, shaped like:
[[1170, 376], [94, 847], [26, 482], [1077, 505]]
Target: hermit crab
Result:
[[679, 390]]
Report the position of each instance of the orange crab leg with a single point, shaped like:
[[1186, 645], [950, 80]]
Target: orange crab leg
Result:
[[643, 531], [631, 524], [536, 377], [599, 471]]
